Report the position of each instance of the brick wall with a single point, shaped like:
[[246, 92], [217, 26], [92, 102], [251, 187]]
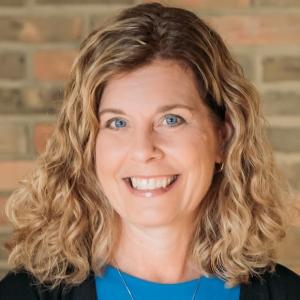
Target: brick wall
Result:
[[39, 39]]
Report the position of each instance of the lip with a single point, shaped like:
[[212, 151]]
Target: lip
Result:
[[151, 193], [151, 176]]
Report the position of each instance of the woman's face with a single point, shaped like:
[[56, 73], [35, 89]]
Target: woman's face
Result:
[[154, 126]]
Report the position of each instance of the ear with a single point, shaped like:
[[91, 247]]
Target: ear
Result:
[[225, 132]]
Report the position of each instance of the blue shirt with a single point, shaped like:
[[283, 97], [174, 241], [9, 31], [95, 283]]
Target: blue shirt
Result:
[[111, 287]]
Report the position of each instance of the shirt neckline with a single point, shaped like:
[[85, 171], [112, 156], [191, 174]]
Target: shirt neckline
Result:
[[113, 271]]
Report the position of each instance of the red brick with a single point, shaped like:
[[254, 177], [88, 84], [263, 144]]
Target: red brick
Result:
[[40, 29], [206, 4], [260, 29], [42, 132], [13, 171], [53, 65]]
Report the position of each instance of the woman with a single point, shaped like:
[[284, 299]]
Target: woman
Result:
[[158, 182]]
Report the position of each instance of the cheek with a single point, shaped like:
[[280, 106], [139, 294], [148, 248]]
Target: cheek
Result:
[[108, 153], [108, 159], [194, 146], [109, 148]]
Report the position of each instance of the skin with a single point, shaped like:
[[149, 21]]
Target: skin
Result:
[[155, 231]]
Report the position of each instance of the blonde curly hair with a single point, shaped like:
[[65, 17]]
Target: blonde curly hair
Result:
[[64, 226]]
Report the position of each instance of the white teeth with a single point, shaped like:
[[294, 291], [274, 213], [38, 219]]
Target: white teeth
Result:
[[151, 184]]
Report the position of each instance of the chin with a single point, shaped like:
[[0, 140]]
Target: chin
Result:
[[149, 220]]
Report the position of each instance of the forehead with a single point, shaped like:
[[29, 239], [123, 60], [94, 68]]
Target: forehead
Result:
[[161, 82]]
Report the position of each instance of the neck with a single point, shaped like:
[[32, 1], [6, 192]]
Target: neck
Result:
[[156, 254]]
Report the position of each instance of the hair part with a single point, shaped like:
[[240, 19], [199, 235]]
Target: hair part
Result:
[[63, 222]]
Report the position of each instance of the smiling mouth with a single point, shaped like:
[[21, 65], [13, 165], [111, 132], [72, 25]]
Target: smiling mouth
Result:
[[151, 184]]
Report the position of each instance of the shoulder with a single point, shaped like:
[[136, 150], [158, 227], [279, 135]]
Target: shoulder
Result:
[[281, 284], [17, 285], [284, 277], [286, 274], [23, 285]]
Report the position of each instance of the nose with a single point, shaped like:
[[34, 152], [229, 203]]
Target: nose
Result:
[[145, 146]]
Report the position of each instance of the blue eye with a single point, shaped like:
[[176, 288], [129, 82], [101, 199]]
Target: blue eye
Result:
[[174, 120], [119, 123]]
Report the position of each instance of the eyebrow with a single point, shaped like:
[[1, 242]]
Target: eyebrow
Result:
[[160, 109]]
